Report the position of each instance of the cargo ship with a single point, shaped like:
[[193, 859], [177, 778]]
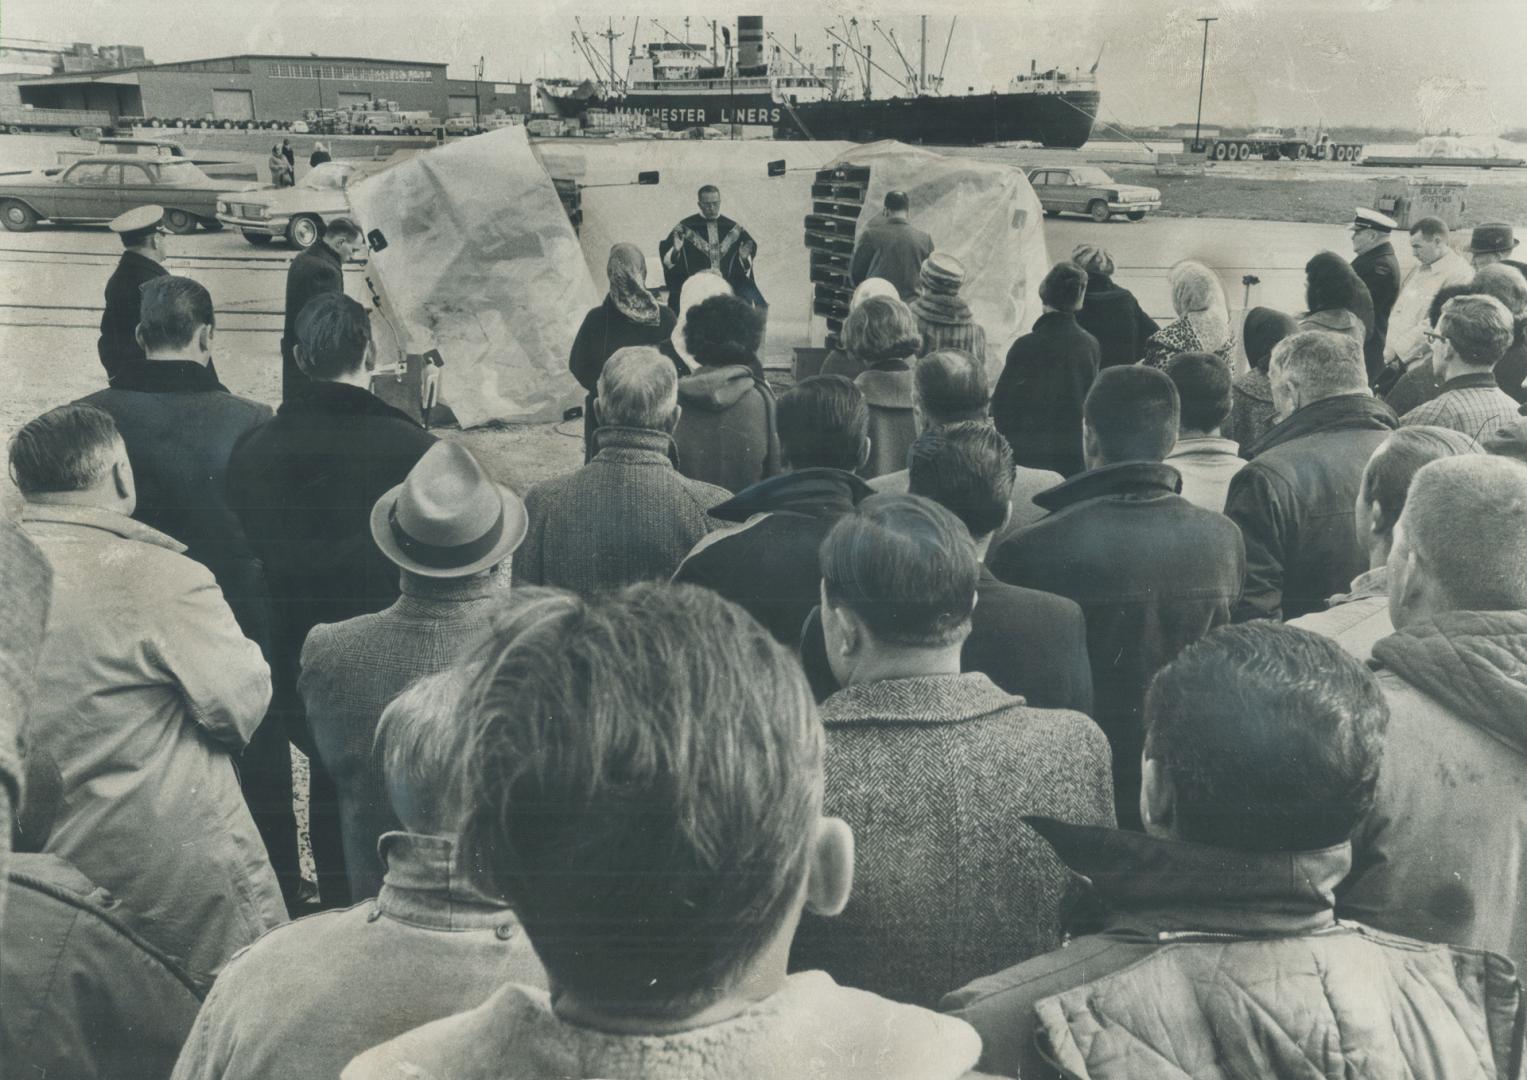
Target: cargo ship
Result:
[[678, 86]]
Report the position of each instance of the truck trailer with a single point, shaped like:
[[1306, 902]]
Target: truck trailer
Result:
[[18, 118]]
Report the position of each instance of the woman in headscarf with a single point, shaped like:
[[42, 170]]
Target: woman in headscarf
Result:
[[319, 155], [1203, 318], [1251, 403], [1109, 311], [630, 315], [697, 289], [1339, 303], [280, 172]]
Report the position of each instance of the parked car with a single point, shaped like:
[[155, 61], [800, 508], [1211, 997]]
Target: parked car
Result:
[[1087, 189], [294, 214], [100, 187], [460, 125], [216, 168]]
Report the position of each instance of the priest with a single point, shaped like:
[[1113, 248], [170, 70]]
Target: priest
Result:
[[708, 241]]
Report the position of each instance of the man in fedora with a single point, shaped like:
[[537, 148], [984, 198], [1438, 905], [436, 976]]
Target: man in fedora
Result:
[[447, 528], [1491, 243]]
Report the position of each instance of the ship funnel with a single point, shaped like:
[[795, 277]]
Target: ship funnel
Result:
[[750, 40]]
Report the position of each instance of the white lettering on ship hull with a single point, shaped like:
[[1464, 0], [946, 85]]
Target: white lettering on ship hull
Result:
[[701, 115]]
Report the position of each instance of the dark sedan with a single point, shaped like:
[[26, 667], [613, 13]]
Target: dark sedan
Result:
[[98, 188]]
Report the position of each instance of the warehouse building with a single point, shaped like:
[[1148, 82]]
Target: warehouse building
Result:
[[264, 87]]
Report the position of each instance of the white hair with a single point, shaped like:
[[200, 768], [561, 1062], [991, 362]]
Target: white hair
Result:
[[638, 388]]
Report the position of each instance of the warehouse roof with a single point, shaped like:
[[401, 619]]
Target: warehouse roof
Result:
[[112, 74]]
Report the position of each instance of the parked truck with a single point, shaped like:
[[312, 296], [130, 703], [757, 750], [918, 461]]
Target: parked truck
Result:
[[18, 118], [1274, 144]]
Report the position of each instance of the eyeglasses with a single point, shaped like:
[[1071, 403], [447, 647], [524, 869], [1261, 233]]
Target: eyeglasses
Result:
[[1433, 336]]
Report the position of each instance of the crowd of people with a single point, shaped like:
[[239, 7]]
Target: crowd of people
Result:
[[1155, 709]]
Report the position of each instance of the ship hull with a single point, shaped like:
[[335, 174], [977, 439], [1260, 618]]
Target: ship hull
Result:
[[1061, 120]]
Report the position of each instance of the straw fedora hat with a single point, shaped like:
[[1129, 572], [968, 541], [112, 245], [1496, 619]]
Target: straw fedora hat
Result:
[[447, 519]]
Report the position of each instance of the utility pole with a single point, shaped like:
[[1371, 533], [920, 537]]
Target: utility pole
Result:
[[477, 71], [922, 60], [834, 71], [1203, 65], [714, 60]]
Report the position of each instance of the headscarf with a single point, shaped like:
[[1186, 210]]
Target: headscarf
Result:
[[698, 287], [1093, 259], [627, 271], [938, 291], [875, 286], [1264, 328], [1199, 300]]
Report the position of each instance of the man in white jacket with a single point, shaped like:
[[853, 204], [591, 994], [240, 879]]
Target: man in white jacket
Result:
[[146, 689], [1437, 264]]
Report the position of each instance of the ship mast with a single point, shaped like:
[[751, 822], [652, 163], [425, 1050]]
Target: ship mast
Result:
[[922, 60]]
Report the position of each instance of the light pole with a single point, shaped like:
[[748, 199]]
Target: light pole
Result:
[[477, 71], [1203, 64]]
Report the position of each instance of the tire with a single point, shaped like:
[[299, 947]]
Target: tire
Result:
[[14, 129], [1303, 153], [257, 239], [1136, 215], [1245, 153], [179, 222], [17, 216], [1098, 209], [1220, 151], [210, 224], [303, 231], [394, 131]]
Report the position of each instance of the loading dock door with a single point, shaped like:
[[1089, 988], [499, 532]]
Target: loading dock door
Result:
[[461, 105], [349, 99], [233, 104]]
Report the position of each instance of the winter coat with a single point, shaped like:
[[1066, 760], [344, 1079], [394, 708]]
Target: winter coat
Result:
[[26, 582], [1111, 314], [626, 516], [1511, 369], [1336, 321], [934, 775], [1206, 464], [1358, 619], [810, 1028], [180, 424], [353, 669], [1027, 483], [726, 434], [1037, 404], [1294, 501], [888, 393], [147, 690], [1415, 388], [1152, 573], [118, 346], [967, 337], [1441, 855], [1359, 322], [1217, 963], [765, 557], [1473, 404], [1252, 413], [893, 249], [1031, 644], [81, 995], [305, 999], [603, 332], [1379, 271], [1179, 336], [312, 273]]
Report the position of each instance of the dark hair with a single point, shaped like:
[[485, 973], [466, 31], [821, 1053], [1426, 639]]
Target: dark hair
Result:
[[1433, 228], [1063, 287], [967, 468], [897, 200], [722, 330], [906, 566], [1479, 328], [1272, 737], [1439, 301], [64, 449], [823, 422], [333, 331], [1331, 284], [343, 227], [643, 779], [707, 187], [951, 386], [1387, 476], [1203, 389], [1133, 412], [171, 310], [1262, 330]]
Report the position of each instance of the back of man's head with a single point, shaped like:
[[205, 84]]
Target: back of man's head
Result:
[[906, 567], [638, 388], [1269, 738], [1505, 283], [1131, 414], [644, 779], [949, 386], [967, 468], [1433, 228], [333, 334], [1479, 329], [897, 202], [1319, 364], [1387, 476], [1064, 287], [1203, 389], [1462, 539], [1441, 298], [67, 449], [342, 228], [823, 423], [172, 309], [421, 741]]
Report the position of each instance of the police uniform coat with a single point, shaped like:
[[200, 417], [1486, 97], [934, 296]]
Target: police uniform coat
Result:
[[734, 243], [117, 346], [1380, 271]]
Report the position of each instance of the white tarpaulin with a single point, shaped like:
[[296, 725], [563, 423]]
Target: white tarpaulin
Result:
[[482, 264], [984, 214], [1468, 146]]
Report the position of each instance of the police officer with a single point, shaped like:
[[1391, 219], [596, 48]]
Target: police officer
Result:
[[1376, 264], [143, 237]]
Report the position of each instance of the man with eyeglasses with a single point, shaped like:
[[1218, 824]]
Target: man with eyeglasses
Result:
[[142, 235], [1471, 337], [709, 241]]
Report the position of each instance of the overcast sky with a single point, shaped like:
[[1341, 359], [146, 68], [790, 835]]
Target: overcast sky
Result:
[[1425, 64]]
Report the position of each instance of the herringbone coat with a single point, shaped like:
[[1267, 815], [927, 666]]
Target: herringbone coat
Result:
[[935, 775]]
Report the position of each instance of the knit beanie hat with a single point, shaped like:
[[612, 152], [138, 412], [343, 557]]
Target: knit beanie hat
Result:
[[1093, 259], [1263, 329], [938, 291]]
